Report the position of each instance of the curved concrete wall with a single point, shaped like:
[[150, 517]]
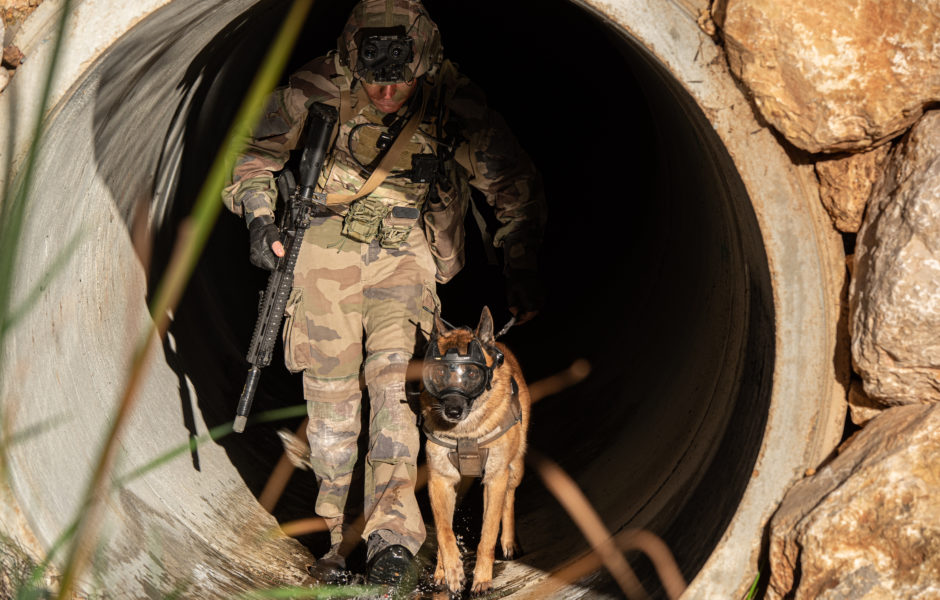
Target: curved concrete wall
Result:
[[709, 312]]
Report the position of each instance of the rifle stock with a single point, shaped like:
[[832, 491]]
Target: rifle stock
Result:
[[302, 203]]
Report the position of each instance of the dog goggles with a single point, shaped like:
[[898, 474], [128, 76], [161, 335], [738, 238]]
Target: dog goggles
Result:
[[454, 373]]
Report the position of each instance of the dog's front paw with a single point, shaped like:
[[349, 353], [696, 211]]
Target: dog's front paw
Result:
[[450, 576], [481, 586], [483, 574]]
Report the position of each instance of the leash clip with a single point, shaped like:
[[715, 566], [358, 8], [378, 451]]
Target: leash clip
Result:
[[506, 327]]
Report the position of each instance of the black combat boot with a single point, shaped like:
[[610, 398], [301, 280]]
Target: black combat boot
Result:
[[330, 568], [387, 564]]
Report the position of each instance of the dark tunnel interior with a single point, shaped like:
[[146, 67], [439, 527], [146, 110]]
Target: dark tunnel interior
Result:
[[652, 265]]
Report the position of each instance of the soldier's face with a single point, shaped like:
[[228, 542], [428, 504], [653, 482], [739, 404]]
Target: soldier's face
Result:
[[389, 98]]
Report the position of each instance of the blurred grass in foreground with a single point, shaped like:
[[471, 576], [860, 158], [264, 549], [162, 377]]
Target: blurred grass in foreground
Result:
[[79, 541]]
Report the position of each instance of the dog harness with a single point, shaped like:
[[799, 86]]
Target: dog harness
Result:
[[469, 455]]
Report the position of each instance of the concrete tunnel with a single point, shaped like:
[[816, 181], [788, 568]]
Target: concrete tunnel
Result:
[[686, 257]]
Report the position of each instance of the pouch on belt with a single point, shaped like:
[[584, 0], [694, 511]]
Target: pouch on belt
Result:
[[363, 219], [396, 226]]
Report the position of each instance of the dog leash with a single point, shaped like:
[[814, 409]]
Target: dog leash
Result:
[[506, 327]]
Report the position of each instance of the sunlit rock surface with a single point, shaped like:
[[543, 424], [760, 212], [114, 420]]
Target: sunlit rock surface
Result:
[[894, 299], [835, 75], [862, 409], [845, 183], [867, 525]]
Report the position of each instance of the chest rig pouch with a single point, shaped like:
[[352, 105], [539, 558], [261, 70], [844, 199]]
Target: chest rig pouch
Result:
[[369, 219], [441, 214]]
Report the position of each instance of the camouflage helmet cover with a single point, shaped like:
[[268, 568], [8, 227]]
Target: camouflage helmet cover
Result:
[[409, 14]]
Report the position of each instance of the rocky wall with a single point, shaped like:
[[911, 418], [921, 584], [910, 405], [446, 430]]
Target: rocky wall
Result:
[[852, 86], [12, 15]]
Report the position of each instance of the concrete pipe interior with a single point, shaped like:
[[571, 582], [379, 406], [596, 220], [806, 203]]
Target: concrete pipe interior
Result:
[[683, 259]]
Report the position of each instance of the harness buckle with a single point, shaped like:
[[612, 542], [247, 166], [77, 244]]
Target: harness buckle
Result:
[[470, 458]]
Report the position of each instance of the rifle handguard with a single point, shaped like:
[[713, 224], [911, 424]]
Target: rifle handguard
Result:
[[300, 206]]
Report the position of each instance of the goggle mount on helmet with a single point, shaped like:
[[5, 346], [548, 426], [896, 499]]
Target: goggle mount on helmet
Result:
[[454, 373], [384, 54]]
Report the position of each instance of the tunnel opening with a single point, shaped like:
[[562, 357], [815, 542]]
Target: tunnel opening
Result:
[[701, 308], [652, 262]]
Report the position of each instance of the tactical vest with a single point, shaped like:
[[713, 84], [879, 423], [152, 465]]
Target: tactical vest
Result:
[[398, 204]]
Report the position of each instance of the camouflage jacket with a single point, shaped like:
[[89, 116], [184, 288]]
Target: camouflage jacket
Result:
[[485, 153]]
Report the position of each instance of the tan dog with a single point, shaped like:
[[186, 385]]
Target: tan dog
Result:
[[475, 408]]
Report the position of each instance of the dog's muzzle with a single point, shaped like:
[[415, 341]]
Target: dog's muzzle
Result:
[[455, 407]]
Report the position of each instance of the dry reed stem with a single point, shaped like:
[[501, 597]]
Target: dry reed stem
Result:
[[570, 496], [632, 539], [277, 481], [554, 384]]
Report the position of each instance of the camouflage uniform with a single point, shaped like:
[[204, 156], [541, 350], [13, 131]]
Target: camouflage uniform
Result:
[[351, 295]]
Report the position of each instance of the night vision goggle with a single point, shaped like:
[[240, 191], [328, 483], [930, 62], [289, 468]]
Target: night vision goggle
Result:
[[384, 55], [454, 373]]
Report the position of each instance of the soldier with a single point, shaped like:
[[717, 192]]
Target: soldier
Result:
[[367, 271]]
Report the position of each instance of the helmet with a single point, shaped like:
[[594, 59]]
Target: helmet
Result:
[[390, 41]]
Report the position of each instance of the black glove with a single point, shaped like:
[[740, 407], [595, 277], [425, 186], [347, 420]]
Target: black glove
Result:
[[262, 233], [524, 291]]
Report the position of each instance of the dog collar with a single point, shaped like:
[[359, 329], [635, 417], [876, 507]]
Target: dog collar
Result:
[[468, 455]]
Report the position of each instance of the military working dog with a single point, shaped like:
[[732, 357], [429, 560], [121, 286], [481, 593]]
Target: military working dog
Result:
[[475, 414]]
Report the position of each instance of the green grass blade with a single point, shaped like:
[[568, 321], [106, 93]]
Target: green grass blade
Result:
[[208, 203], [15, 193], [13, 206], [752, 592], [216, 433], [192, 238], [32, 431], [10, 319], [32, 585]]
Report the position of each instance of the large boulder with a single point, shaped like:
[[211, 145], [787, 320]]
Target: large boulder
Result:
[[838, 74], [867, 525], [894, 297]]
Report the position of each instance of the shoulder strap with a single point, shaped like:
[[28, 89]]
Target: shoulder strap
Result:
[[385, 166]]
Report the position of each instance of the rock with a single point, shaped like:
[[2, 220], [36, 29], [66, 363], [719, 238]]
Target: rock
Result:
[[12, 56], [861, 408], [835, 75], [894, 296], [867, 525], [845, 183], [14, 12]]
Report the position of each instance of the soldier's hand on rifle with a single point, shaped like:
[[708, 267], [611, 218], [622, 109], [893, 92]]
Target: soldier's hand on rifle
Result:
[[265, 245]]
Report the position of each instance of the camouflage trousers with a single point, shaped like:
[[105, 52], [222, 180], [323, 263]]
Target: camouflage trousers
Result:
[[357, 306]]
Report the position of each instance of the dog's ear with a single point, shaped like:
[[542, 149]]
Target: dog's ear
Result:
[[484, 330]]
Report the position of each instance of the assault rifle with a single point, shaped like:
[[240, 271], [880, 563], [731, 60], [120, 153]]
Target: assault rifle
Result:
[[302, 204]]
